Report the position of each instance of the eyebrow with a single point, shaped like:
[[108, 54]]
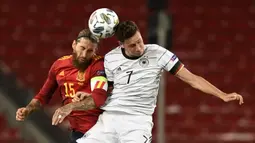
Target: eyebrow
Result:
[[135, 41]]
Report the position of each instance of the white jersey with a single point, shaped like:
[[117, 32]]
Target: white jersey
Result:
[[136, 81]]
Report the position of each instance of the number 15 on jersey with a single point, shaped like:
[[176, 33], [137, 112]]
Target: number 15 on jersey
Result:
[[69, 89]]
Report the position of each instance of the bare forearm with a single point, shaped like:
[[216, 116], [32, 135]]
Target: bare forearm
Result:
[[86, 104], [206, 87], [34, 105]]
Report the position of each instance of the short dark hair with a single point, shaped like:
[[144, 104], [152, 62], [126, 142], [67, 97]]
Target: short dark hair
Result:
[[85, 33], [126, 30]]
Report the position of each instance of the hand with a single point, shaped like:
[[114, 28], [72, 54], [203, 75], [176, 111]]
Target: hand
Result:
[[79, 96], [22, 113], [60, 114], [233, 96]]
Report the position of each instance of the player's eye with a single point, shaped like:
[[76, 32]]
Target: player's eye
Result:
[[132, 45], [89, 51], [82, 48]]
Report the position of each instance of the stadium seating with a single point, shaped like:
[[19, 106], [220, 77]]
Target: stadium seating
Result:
[[44, 31], [10, 134], [34, 33], [213, 39]]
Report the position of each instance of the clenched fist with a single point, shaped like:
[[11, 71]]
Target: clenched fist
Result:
[[22, 113]]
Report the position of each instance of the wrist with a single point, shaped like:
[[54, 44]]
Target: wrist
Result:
[[30, 109], [71, 106], [33, 105], [222, 95]]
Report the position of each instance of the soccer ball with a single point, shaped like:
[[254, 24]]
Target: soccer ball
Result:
[[102, 22]]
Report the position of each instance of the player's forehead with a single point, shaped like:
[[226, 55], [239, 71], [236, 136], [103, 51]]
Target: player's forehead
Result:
[[134, 39], [85, 42]]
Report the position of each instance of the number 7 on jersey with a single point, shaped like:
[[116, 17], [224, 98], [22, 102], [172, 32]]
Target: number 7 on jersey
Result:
[[129, 76]]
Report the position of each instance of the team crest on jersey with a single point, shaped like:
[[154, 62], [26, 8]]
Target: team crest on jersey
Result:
[[80, 76], [144, 62]]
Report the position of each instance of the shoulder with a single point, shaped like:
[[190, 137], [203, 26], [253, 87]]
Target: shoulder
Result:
[[155, 48], [63, 58], [113, 54], [97, 59], [97, 62], [63, 62], [97, 66]]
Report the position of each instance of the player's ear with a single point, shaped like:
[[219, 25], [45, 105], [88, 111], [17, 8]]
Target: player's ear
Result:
[[74, 44]]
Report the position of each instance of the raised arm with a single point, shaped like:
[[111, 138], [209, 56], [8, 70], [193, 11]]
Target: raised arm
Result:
[[203, 85], [43, 97]]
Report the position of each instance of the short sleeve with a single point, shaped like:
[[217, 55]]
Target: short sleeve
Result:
[[108, 72], [168, 60]]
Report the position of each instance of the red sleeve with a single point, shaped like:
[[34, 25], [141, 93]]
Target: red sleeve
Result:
[[99, 95], [49, 87]]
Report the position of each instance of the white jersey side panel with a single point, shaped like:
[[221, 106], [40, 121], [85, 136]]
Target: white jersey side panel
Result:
[[136, 81]]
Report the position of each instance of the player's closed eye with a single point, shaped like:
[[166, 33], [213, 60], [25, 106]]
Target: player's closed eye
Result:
[[89, 51], [83, 48], [132, 45]]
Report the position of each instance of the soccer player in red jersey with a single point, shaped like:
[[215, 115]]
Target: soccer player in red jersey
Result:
[[81, 71]]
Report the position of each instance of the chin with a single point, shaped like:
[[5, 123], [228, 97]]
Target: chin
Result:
[[140, 54], [81, 61]]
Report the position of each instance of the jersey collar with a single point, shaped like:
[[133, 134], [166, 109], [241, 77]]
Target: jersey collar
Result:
[[128, 57]]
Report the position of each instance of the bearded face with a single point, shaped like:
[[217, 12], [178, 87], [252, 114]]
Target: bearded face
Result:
[[83, 52]]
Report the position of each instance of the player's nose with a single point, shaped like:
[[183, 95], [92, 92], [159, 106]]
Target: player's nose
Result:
[[139, 49], [83, 54]]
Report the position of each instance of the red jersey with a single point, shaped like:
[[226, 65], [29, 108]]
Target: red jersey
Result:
[[69, 80]]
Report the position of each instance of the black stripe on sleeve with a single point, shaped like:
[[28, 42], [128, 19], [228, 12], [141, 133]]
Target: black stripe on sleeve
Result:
[[110, 88], [110, 83], [176, 68]]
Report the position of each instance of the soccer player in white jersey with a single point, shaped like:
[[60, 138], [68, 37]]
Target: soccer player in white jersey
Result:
[[134, 69]]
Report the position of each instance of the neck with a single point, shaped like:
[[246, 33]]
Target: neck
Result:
[[128, 56]]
